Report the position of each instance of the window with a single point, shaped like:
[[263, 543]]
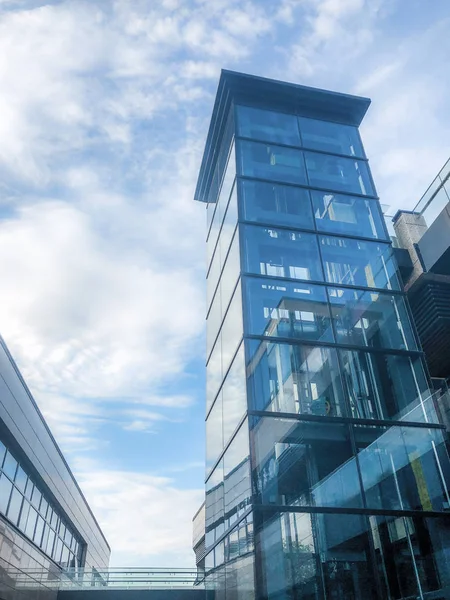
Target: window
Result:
[[371, 319], [276, 163], [273, 203], [15, 506], [10, 466], [338, 173], [277, 308], [330, 137], [237, 485], [352, 215], [281, 253], [383, 386], [268, 126], [294, 379], [214, 434], [358, 263], [234, 395], [5, 492]]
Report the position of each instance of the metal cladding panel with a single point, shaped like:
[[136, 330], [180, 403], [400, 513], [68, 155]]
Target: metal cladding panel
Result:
[[302, 100], [25, 429], [434, 245]]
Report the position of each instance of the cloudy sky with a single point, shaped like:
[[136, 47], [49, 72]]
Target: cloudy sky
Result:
[[104, 109]]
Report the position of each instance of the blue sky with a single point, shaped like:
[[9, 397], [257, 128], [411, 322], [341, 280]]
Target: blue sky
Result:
[[104, 109]]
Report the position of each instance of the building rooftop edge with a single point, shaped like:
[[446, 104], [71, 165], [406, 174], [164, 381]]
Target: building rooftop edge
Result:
[[272, 94]]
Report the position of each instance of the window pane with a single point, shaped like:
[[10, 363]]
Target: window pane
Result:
[[14, 506], [10, 465], [57, 550], [371, 319], [232, 329], [5, 492], [237, 485], [24, 515], [304, 464], [294, 379], [39, 530], [214, 508], [36, 497], [214, 434], [338, 173], [297, 550], [21, 479], [214, 373], [29, 489], [336, 213], [401, 468], [234, 395], [330, 137], [31, 523], [276, 163], [290, 310], [358, 263], [65, 556], [281, 253], [222, 201], [43, 507], [274, 203], [2, 453], [51, 539], [383, 386], [267, 125]]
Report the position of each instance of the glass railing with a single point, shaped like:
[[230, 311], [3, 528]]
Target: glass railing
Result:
[[436, 197], [114, 577]]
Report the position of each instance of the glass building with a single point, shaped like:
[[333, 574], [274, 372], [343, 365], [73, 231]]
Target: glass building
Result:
[[326, 468]]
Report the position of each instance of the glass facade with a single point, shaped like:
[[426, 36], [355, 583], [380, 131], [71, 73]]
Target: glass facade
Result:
[[327, 471], [27, 508]]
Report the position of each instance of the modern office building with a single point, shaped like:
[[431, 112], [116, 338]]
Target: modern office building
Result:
[[326, 469], [46, 525]]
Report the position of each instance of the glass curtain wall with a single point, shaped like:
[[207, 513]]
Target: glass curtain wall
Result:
[[347, 470]]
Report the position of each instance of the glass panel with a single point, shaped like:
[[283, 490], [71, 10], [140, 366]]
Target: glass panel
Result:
[[221, 204], [294, 379], [230, 273], [371, 319], [51, 539], [283, 309], [274, 203], [234, 395], [229, 224], [214, 434], [240, 579], [57, 550], [54, 520], [43, 507], [237, 490], [301, 553], [31, 523], [65, 556], [232, 329], [21, 479], [24, 515], [358, 263], [214, 508], [330, 137], [2, 453], [44, 540], [281, 253], [214, 373], [5, 492], [29, 489], [214, 321], [10, 465], [338, 173], [36, 497], [304, 464], [401, 468], [383, 386], [336, 213], [14, 506], [39, 531], [267, 125], [277, 163]]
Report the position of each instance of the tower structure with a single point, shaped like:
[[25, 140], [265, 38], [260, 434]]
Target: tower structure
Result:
[[326, 468]]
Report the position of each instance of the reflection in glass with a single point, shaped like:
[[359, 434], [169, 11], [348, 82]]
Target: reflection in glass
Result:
[[274, 203], [234, 395], [5, 492], [383, 386], [267, 125], [221, 204], [278, 308], [338, 173], [302, 552], [352, 215], [15, 506], [304, 464], [359, 263], [276, 163], [214, 373], [330, 137], [236, 471], [281, 253], [294, 379], [214, 433], [214, 509], [404, 468], [371, 319]]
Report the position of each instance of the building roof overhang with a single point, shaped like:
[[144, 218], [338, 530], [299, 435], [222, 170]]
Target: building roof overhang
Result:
[[276, 95]]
